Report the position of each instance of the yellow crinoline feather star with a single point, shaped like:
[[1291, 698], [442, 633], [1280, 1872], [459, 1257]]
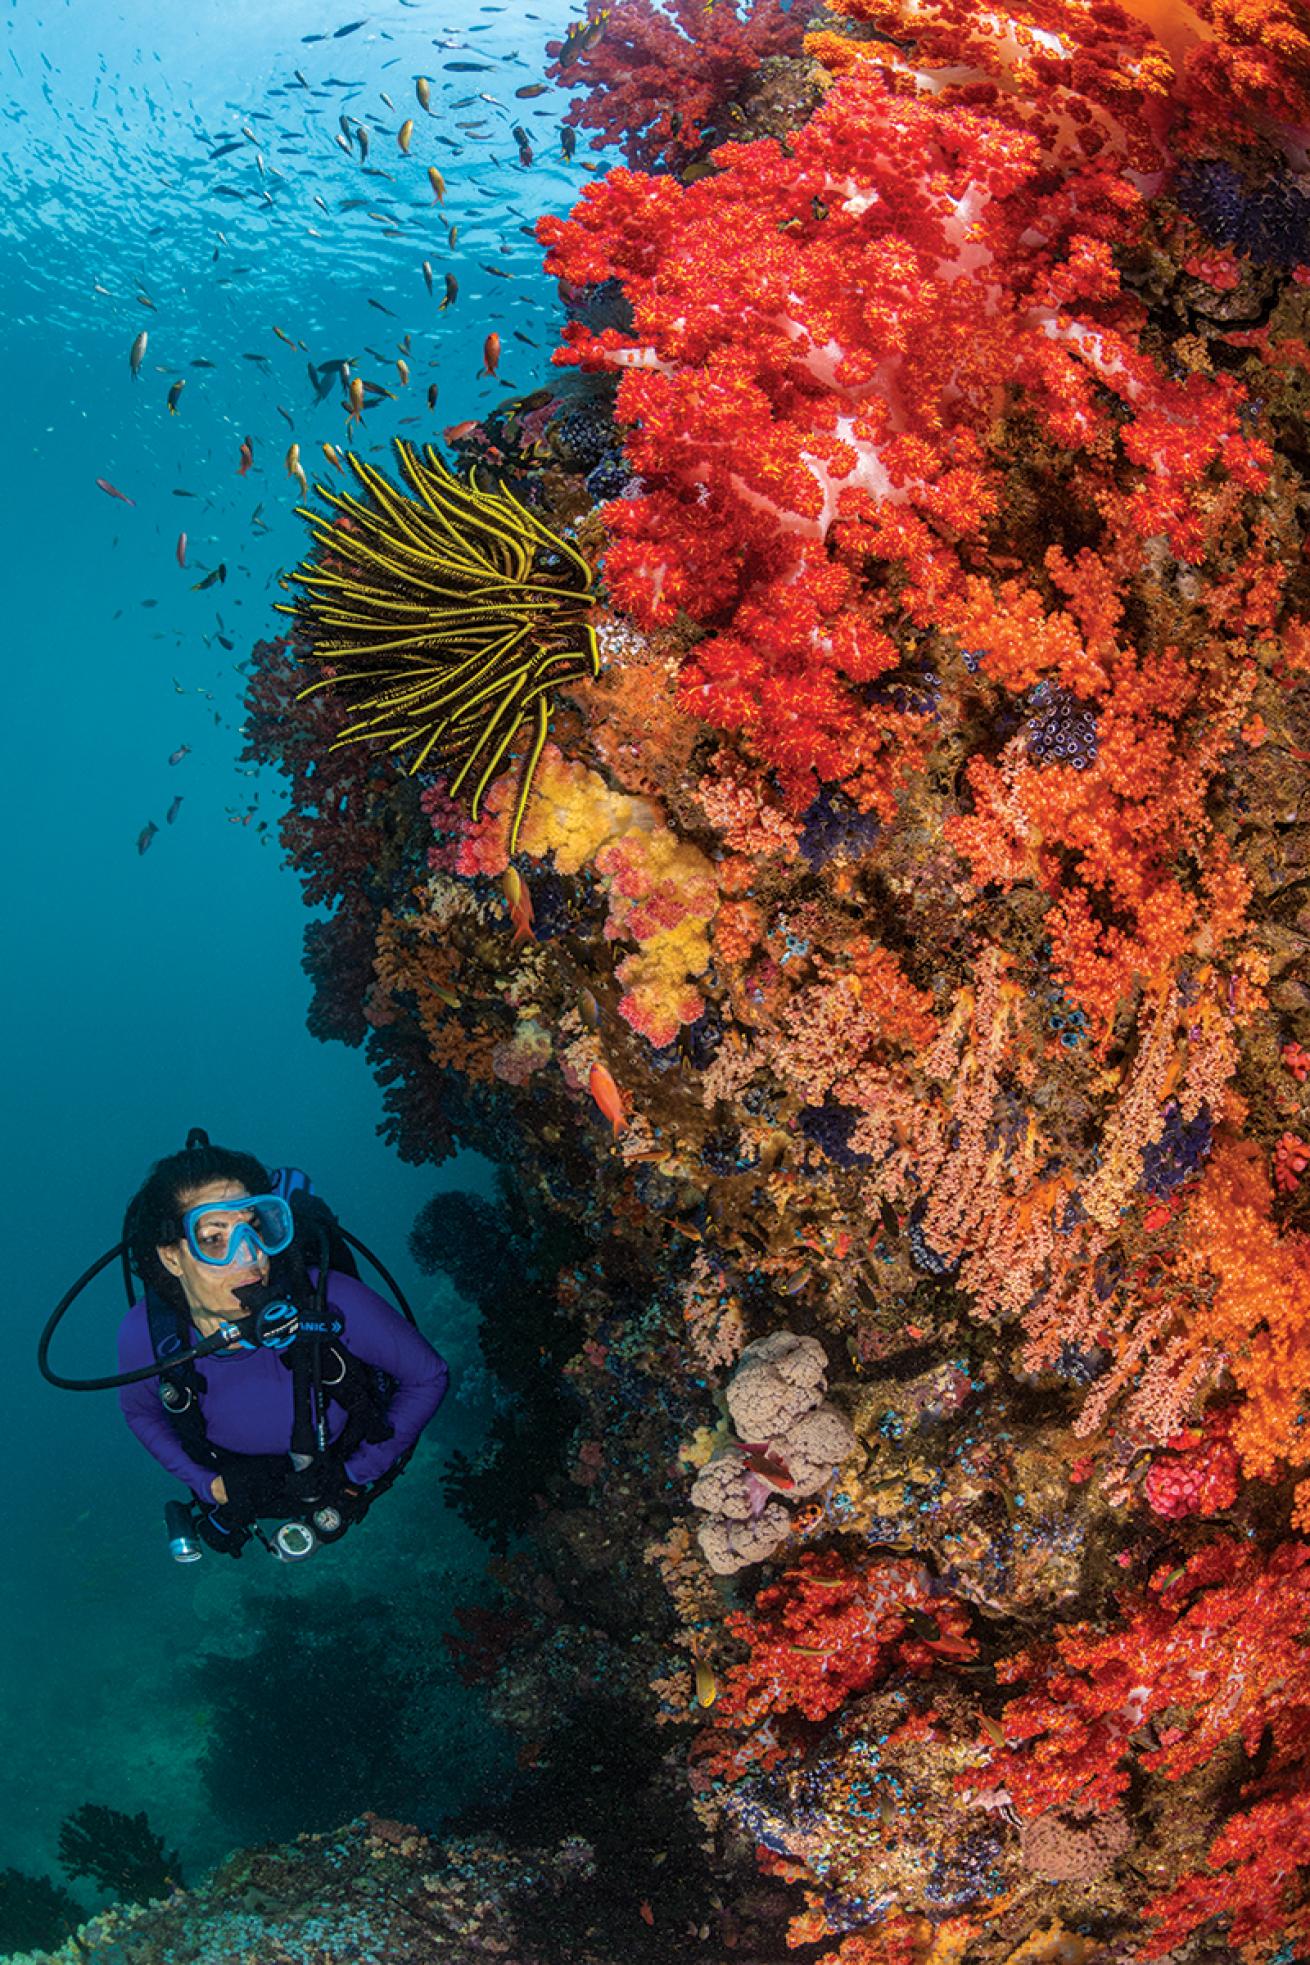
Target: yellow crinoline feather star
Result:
[[447, 617]]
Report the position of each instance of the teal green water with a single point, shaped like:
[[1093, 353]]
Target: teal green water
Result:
[[147, 993]]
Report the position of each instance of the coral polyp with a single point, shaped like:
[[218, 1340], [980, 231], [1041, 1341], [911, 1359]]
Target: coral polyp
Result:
[[446, 619]]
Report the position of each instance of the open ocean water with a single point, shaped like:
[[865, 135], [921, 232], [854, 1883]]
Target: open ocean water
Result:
[[167, 170]]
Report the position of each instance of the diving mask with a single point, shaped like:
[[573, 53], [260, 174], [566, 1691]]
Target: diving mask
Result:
[[220, 1233]]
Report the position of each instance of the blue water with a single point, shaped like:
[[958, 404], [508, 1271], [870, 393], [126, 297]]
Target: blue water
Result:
[[148, 993]]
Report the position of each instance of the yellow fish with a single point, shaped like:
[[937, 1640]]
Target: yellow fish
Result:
[[438, 183], [402, 367], [707, 1690], [406, 132], [423, 90], [295, 469]]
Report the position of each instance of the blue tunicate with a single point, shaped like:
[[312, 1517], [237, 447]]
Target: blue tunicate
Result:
[[1058, 728], [832, 826], [830, 1126], [1268, 222], [1179, 1153]]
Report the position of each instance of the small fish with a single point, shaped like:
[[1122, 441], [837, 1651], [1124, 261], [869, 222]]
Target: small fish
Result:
[[456, 432], [247, 456], [333, 456], [887, 1216], [351, 27], [423, 90], [568, 140], [588, 1009], [454, 234], [520, 905], [769, 1469], [606, 1095], [432, 395], [386, 98], [706, 1687], [295, 469], [402, 370], [490, 354], [427, 274], [362, 134], [356, 397], [438, 183], [452, 293], [286, 416], [995, 1733], [112, 491], [137, 354], [581, 37], [145, 836], [282, 336], [797, 1282], [181, 550], [183, 750], [646, 1911], [381, 309], [219, 573], [174, 395], [174, 809], [404, 134], [529, 90]]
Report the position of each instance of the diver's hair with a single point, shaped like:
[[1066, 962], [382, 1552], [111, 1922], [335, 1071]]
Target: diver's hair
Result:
[[154, 1214]]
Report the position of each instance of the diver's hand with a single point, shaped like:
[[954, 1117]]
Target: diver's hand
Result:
[[218, 1489]]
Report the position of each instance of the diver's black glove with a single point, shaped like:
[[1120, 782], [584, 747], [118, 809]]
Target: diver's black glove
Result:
[[219, 1529]]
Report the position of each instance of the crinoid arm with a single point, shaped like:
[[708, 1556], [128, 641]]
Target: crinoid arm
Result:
[[446, 615]]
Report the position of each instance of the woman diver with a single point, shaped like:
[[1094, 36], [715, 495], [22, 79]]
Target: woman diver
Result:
[[322, 1389]]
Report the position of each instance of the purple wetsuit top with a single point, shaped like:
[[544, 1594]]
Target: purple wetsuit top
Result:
[[247, 1394]]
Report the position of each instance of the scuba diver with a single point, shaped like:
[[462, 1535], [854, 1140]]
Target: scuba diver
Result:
[[257, 1367]]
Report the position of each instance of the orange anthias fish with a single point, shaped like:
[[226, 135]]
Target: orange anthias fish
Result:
[[181, 549], [520, 906], [606, 1094], [490, 354], [247, 457]]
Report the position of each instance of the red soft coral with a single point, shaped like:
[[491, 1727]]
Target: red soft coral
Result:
[[826, 1632], [1217, 1640]]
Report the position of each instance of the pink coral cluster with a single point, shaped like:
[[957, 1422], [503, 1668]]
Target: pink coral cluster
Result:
[[657, 76]]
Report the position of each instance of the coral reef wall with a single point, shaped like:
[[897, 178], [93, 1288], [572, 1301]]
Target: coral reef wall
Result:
[[893, 1026]]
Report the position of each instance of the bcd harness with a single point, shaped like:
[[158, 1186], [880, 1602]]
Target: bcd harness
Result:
[[321, 1368]]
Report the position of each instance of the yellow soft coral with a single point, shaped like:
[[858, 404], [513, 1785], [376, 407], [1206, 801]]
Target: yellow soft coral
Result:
[[662, 890], [574, 813]]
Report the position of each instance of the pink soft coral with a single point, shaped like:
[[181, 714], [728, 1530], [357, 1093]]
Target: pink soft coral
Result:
[[660, 75]]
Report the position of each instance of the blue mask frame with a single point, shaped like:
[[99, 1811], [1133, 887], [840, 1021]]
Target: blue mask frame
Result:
[[268, 1233]]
